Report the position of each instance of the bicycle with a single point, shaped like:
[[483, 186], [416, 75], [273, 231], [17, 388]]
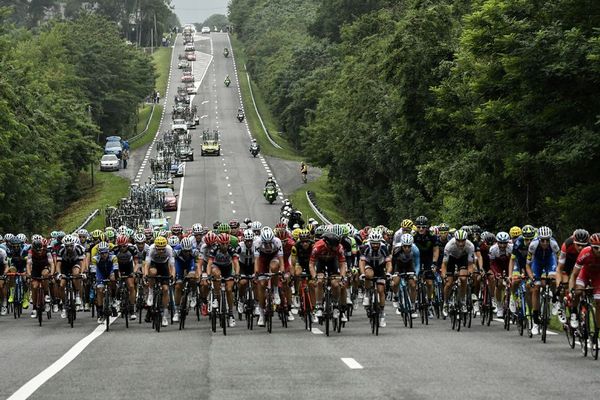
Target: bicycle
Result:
[[328, 306], [306, 305], [587, 330], [18, 290], [140, 302], [184, 304], [374, 308], [156, 310], [269, 303], [123, 296], [422, 301], [107, 305], [248, 301], [89, 291], [40, 304], [404, 302], [485, 300], [438, 294], [455, 305], [69, 302], [545, 304], [220, 312]]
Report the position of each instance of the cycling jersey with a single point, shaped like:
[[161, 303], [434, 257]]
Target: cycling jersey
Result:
[[350, 250], [426, 244], [568, 255], [589, 264], [519, 255], [17, 257], [104, 267], [185, 261], [455, 256], [3, 261], [141, 254], [39, 261], [484, 252], [273, 248], [223, 259], [126, 259], [406, 262], [542, 260], [154, 257], [302, 254], [327, 259], [500, 258], [375, 259], [287, 245], [94, 249], [246, 258], [70, 258]]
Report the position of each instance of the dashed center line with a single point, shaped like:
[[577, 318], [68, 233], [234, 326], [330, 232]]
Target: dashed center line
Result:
[[352, 363]]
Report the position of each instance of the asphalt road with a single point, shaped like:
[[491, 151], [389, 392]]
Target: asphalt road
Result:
[[425, 362]]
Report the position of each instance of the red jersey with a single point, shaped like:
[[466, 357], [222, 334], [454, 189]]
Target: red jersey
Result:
[[322, 252]]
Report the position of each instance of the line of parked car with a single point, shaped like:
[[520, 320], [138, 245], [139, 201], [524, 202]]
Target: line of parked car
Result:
[[113, 153]]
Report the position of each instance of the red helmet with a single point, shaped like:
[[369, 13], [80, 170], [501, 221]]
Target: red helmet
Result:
[[210, 238], [595, 239], [234, 223], [177, 229], [122, 240], [280, 225], [281, 233], [224, 238]]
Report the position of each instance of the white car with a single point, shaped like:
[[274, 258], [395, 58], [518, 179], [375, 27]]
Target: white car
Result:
[[110, 162], [205, 29]]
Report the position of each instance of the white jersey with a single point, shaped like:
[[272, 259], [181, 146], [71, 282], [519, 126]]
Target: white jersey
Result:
[[452, 250], [273, 248], [497, 252], [160, 258]]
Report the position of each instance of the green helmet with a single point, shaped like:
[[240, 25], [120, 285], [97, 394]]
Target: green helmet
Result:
[[223, 228], [461, 234], [109, 233]]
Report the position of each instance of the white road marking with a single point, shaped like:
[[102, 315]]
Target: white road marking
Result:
[[231, 194], [34, 383], [204, 116], [352, 363], [233, 211], [317, 331], [180, 200], [547, 331], [205, 101]]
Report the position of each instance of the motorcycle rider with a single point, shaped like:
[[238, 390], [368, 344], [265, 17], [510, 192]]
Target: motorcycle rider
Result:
[[254, 146], [240, 117]]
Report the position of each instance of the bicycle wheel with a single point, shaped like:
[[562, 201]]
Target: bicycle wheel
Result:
[[125, 308], [377, 317], [106, 306], [223, 312], [157, 313], [593, 333], [584, 324], [545, 317], [183, 310]]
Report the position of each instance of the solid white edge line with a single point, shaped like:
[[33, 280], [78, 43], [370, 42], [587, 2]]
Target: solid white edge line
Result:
[[351, 363], [179, 201], [34, 383]]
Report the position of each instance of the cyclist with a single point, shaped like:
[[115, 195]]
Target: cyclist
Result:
[[245, 251], [126, 254], [375, 263], [541, 263], [499, 254], [405, 260], [106, 266], [39, 265], [186, 259], [17, 257], [160, 262], [327, 256], [569, 251], [303, 171], [300, 260], [3, 287], [586, 272], [197, 234], [268, 257], [287, 243], [514, 233], [70, 261], [518, 262], [177, 230], [429, 251], [459, 259], [220, 262], [351, 253], [142, 249]]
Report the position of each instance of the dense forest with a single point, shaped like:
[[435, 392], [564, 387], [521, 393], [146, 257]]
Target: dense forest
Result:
[[468, 111], [64, 86]]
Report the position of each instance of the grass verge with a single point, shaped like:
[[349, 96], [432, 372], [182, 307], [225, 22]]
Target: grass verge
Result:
[[162, 60], [108, 188], [152, 128], [268, 118]]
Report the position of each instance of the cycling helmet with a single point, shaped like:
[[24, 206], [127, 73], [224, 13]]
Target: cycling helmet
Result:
[[68, 240], [160, 242], [210, 238], [256, 226], [488, 237], [375, 236], [345, 230], [331, 239], [8, 237], [422, 221], [247, 221], [544, 232], [197, 229], [502, 237], [528, 231], [60, 235], [281, 233], [173, 240], [234, 223], [337, 230], [407, 239], [406, 224], [216, 225], [83, 232], [595, 239], [248, 234], [96, 234], [122, 230], [156, 234], [37, 244], [296, 233], [515, 231], [280, 225], [140, 238], [23, 237], [186, 243], [224, 228], [177, 229], [53, 234], [461, 234], [434, 230], [266, 234], [36, 237], [224, 238], [122, 240], [319, 231], [476, 229], [451, 231], [103, 247], [581, 236], [163, 233], [304, 234], [443, 228], [109, 233]]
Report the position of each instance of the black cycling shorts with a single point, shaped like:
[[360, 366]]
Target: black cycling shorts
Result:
[[331, 267], [456, 264]]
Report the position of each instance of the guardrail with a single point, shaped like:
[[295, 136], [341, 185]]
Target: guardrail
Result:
[[139, 135], [312, 203], [257, 113], [88, 219]]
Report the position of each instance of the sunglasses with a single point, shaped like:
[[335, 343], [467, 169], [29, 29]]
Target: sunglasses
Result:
[[596, 247], [544, 240], [580, 244], [422, 227]]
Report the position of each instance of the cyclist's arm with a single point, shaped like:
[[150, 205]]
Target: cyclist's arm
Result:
[[236, 265], [436, 253], [416, 253], [209, 265], [511, 265]]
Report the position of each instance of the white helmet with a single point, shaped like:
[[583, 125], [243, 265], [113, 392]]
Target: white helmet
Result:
[[407, 239], [256, 226], [173, 240], [122, 230], [68, 240], [196, 229], [266, 234], [248, 234], [544, 232], [375, 236], [186, 243], [502, 237]]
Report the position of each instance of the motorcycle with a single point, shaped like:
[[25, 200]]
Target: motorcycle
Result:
[[226, 52], [270, 194], [240, 116], [254, 149], [227, 82]]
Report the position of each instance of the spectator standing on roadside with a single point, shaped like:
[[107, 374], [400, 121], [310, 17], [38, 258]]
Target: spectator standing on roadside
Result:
[[125, 158]]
